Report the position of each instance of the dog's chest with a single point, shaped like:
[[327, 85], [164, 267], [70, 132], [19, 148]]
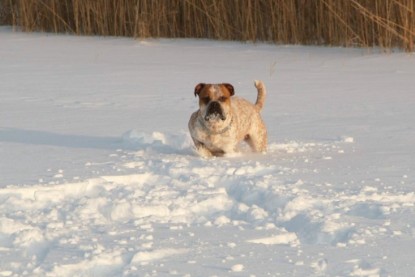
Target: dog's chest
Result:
[[216, 142]]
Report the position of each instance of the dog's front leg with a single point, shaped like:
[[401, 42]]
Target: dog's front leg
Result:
[[202, 150]]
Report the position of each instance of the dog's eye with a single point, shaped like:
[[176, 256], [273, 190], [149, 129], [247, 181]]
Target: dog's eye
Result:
[[222, 99], [206, 99]]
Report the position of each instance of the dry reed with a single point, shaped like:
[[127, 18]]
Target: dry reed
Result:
[[385, 23]]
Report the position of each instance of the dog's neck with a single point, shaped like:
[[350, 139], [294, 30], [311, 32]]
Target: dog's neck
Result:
[[210, 131]]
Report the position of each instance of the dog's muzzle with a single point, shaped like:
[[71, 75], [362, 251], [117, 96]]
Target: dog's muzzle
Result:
[[214, 110]]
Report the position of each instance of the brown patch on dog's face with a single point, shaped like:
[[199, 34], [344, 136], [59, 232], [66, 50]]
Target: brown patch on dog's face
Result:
[[214, 92], [214, 100]]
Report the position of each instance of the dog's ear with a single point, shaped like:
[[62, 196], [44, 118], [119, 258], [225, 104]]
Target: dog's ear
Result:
[[230, 88], [199, 88]]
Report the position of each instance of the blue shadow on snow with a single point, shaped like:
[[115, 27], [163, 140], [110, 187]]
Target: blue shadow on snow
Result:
[[61, 140]]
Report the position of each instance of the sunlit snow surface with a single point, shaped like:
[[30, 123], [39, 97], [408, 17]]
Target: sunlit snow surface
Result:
[[98, 176]]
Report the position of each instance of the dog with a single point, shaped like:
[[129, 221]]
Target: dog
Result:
[[224, 120]]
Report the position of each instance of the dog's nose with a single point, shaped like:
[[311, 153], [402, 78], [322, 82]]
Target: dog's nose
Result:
[[214, 109]]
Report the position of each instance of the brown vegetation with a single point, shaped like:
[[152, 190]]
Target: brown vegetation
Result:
[[385, 23]]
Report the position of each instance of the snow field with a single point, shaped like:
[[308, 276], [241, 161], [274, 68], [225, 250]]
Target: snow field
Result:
[[82, 196]]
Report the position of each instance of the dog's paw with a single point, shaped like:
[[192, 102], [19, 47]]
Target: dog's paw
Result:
[[203, 152]]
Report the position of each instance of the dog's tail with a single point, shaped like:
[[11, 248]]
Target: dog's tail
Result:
[[261, 94]]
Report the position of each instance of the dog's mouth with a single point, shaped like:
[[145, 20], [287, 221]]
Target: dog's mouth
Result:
[[215, 117], [214, 112]]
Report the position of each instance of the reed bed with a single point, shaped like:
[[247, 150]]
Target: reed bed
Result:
[[366, 23]]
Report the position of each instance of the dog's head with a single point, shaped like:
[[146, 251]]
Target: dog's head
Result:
[[214, 101]]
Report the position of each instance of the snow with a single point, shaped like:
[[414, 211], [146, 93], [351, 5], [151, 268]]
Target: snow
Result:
[[99, 177]]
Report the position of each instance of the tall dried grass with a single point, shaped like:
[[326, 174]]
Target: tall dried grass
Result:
[[385, 23]]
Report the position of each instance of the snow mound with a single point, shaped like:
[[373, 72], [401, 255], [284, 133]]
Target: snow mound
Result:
[[167, 143]]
